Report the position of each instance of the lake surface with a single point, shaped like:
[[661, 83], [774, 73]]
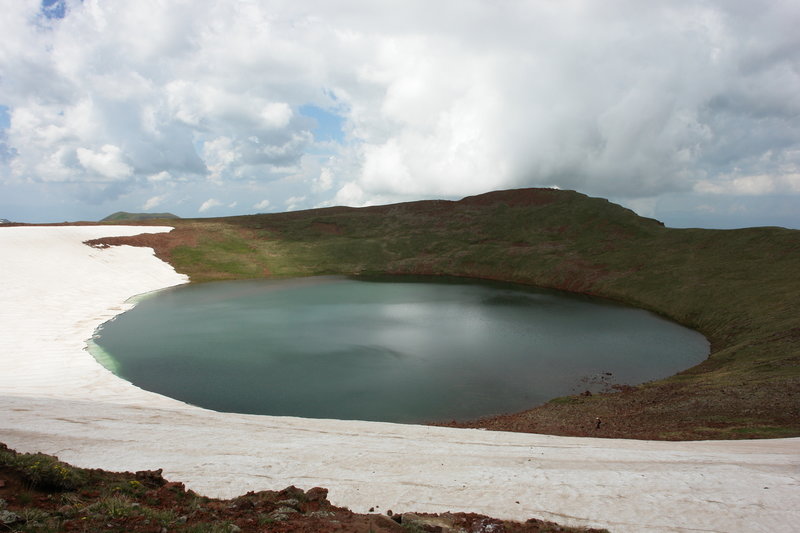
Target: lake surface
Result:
[[398, 351]]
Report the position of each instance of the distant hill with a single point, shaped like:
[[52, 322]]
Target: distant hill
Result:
[[122, 215], [5, 221]]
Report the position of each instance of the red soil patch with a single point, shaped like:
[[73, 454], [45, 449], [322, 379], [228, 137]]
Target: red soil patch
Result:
[[513, 198]]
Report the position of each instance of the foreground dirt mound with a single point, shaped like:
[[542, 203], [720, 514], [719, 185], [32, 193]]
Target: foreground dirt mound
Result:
[[40, 493]]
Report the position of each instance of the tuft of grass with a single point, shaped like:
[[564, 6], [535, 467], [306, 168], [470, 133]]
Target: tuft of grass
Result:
[[163, 517], [113, 507], [44, 472], [131, 487]]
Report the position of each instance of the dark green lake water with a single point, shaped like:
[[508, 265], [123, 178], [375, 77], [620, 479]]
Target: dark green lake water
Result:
[[407, 351]]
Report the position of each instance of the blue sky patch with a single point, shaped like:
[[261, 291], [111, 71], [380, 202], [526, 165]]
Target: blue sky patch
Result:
[[329, 125], [54, 9]]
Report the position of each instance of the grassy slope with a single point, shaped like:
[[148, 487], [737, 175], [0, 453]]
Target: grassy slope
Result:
[[740, 288], [123, 215]]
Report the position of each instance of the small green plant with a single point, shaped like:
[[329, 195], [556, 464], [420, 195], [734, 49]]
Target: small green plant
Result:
[[131, 487], [118, 506], [264, 519], [46, 472], [32, 519], [163, 517]]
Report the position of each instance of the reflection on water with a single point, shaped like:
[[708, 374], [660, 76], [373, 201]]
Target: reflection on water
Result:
[[381, 350]]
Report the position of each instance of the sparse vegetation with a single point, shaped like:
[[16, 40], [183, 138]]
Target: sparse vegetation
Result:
[[42, 471]]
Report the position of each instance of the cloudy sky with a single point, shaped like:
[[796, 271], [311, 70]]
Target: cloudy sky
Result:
[[687, 111]]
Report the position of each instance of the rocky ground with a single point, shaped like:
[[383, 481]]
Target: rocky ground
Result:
[[38, 493]]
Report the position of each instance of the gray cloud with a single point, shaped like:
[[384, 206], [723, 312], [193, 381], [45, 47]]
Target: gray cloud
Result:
[[624, 99]]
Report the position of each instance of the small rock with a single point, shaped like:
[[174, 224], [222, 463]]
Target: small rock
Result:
[[233, 528], [175, 485], [242, 504], [317, 494], [281, 513], [65, 510], [294, 503], [7, 517], [384, 523], [151, 476]]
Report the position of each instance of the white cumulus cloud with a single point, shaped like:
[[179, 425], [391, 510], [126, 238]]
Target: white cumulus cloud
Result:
[[153, 202], [209, 204], [107, 162]]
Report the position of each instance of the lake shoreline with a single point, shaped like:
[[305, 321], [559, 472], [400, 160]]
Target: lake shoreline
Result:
[[419, 348], [57, 399]]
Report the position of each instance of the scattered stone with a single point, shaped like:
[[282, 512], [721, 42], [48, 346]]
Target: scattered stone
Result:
[[282, 513], [175, 486], [7, 517], [242, 503], [317, 494], [488, 525], [294, 503], [383, 523], [65, 510], [151, 477]]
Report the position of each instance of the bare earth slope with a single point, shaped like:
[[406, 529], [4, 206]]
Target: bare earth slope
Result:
[[54, 398]]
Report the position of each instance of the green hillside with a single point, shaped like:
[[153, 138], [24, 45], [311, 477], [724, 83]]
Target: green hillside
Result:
[[740, 288], [123, 215]]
